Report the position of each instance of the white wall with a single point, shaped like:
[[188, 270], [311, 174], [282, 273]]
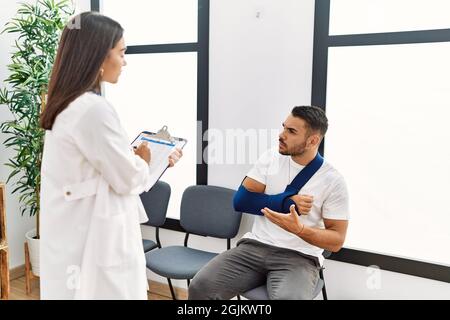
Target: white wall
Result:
[[259, 69], [349, 281], [16, 224]]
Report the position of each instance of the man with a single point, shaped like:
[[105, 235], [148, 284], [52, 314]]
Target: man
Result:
[[283, 248]]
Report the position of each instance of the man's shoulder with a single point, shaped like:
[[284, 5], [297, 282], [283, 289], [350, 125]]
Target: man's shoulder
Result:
[[331, 174]]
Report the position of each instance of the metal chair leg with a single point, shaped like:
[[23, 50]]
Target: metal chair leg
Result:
[[172, 292], [324, 289], [324, 293]]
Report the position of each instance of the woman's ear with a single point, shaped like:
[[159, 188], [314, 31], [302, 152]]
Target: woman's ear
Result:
[[105, 62]]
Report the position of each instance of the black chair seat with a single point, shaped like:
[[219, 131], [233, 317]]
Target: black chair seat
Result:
[[178, 262], [149, 245]]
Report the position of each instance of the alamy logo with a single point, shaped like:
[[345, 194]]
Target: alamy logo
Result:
[[74, 23], [73, 279], [374, 280]]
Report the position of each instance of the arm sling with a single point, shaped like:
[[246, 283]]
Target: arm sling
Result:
[[252, 202]]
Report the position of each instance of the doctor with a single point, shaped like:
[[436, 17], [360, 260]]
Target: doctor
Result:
[[91, 243]]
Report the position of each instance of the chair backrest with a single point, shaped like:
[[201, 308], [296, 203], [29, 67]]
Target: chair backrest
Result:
[[208, 211], [155, 202]]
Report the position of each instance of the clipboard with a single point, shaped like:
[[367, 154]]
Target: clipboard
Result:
[[161, 145]]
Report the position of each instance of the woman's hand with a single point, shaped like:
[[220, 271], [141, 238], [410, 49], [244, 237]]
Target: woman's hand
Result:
[[143, 151], [175, 156]]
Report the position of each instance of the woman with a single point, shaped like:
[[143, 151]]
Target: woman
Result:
[[91, 244]]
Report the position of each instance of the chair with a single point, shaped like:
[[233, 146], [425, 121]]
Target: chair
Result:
[[155, 202], [260, 293], [205, 211]]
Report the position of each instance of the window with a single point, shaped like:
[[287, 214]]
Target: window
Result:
[[387, 96], [165, 81], [155, 21], [369, 16]]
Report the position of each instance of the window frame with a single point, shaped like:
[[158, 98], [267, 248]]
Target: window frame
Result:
[[201, 47], [323, 41]]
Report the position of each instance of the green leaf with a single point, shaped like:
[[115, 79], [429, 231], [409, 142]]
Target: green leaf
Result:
[[13, 173], [19, 188], [36, 27]]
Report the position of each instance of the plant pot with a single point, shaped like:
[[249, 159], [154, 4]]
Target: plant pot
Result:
[[33, 248]]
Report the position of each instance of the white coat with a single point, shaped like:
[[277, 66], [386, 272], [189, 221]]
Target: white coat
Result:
[[91, 243]]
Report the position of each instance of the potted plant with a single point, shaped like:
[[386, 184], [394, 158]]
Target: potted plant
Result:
[[38, 27]]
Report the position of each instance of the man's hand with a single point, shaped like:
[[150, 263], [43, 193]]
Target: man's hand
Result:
[[289, 222], [175, 157], [143, 151], [304, 203]]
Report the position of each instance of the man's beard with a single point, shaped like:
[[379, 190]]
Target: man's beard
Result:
[[296, 150]]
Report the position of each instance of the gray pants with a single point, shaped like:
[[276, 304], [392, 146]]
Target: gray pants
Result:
[[289, 274]]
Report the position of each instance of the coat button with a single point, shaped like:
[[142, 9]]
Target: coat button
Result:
[[68, 193]]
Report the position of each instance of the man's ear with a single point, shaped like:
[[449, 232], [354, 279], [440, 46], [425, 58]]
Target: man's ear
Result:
[[313, 140]]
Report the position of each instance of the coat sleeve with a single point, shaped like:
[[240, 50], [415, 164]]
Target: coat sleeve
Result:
[[103, 142]]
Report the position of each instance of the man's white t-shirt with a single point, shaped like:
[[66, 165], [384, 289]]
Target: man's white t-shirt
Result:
[[327, 186]]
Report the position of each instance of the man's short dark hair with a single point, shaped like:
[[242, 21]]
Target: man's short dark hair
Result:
[[314, 117]]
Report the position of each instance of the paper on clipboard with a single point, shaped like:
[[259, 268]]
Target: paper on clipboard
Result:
[[161, 146]]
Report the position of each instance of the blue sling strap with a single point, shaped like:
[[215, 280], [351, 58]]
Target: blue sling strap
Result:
[[304, 176], [253, 202]]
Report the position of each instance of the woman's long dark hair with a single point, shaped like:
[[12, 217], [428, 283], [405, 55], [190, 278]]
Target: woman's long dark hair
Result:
[[84, 46]]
